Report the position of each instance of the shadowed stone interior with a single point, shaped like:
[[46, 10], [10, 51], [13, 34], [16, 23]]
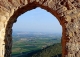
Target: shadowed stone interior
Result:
[[66, 11]]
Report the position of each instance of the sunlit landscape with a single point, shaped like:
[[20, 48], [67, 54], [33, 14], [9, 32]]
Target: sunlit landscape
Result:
[[25, 43], [38, 36]]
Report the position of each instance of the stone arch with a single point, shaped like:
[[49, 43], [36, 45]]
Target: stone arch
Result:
[[22, 10], [66, 11]]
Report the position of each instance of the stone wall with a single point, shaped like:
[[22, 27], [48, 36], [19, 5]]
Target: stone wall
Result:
[[66, 11]]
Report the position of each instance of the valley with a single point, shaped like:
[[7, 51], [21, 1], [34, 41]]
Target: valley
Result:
[[27, 42]]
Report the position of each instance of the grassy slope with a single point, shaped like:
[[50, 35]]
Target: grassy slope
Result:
[[50, 51]]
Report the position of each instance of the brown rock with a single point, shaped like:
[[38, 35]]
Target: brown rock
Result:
[[66, 11]]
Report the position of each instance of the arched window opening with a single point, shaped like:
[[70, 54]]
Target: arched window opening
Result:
[[35, 31]]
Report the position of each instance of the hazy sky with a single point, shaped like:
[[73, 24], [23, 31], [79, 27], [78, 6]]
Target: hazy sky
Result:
[[37, 20]]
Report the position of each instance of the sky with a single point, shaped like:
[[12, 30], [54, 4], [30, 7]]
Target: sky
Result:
[[37, 20]]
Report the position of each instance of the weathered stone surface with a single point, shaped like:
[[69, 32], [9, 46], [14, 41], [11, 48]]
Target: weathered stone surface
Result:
[[66, 11]]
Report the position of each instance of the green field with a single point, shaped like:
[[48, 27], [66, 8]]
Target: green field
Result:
[[25, 45]]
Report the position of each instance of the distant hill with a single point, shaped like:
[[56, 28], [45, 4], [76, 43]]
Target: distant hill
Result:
[[50, 51]]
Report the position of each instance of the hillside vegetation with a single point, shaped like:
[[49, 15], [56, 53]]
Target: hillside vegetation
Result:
[[50, 51]]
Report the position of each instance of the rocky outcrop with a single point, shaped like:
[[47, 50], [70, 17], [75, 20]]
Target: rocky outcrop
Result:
[[66, 11]]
